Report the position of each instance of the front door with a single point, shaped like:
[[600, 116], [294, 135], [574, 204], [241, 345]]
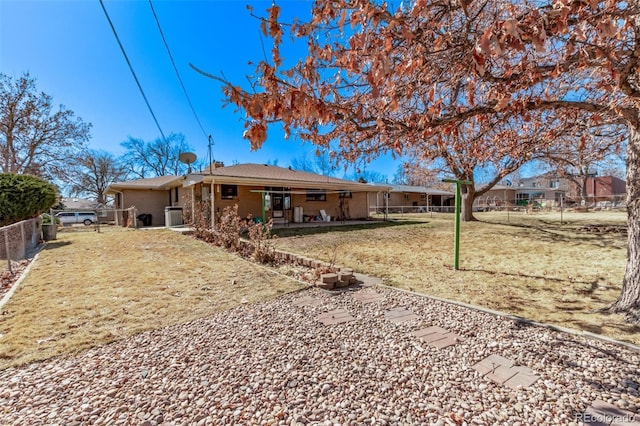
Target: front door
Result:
[[280, 201], [277, 204]]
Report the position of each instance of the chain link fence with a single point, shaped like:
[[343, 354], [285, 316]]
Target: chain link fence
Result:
[[496, 203], [90, 219]]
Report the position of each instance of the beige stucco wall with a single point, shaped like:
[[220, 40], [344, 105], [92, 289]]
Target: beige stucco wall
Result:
[[356, 207], [312, 208], [152, 202], [399, 199], [249, 203]]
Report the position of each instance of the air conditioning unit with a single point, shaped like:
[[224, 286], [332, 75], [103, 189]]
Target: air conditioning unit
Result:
[[172, 216]]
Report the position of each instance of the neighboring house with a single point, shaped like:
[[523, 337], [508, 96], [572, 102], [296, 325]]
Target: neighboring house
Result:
[[416, 199], [261, 191], [605, 188], [549, 180], [105, 213], [598, 188], [506, 195], [78, 204], [150, 196]]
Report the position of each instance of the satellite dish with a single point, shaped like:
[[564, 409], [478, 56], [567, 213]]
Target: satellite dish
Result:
[[187, 158]]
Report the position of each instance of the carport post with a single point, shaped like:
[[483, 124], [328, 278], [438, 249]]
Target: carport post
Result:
[[456, 241]]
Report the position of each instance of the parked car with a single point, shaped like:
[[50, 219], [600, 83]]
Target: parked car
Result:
[[69, 218]]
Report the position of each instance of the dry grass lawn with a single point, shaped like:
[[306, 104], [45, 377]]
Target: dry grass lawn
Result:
[[89, 288], [531, 266]]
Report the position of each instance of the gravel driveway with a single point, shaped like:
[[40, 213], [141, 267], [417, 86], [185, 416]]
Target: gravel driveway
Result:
[[275, 363]]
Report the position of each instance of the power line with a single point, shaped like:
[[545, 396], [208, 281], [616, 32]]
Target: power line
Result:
[[175, 68], [132, 71]]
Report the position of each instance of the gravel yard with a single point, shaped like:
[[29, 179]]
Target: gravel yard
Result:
[[275, 363]]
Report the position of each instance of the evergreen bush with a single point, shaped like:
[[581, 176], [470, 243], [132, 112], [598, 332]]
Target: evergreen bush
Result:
[[24, 197]]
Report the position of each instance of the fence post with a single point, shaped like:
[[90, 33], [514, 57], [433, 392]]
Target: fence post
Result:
[[6, 245], [135, 219], [24, 240]]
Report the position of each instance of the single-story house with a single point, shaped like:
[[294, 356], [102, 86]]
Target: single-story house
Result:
[[415, 199], [507, 195], [284, 195], [150, 196], [259, 190]]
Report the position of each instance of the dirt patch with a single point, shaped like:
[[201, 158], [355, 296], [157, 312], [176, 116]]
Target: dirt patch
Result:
[[603, 229]]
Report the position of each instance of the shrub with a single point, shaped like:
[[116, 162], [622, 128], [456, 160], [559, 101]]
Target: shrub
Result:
[[228, 228], [201, 223], [263, 249], [23, 197]]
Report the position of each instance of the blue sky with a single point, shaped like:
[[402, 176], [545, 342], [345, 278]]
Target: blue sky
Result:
[[70, 49]]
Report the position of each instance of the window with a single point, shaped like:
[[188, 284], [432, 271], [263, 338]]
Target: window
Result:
[[537, 196], [522, 199], [346, 194], [406, 197], [316, 195], [227, 192], [176, 196], [555, 184], [423, 197]]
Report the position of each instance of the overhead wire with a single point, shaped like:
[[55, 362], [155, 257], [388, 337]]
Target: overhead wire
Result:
[[175, 68], [115, 33]]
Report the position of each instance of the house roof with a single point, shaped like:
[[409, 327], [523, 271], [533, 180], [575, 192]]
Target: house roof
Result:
[[156, 183], [525, 188], [78, 203], [267, 175], [419, 189], [82, 204]]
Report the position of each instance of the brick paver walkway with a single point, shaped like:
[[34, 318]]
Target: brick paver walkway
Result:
[[503, 371], [437, 337], [496, 368], [368, 296], [397, 315], [336, 316]]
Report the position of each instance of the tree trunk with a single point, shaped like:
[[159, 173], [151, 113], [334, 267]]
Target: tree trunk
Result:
[[583, 189], [629, 300], [468, 197]]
